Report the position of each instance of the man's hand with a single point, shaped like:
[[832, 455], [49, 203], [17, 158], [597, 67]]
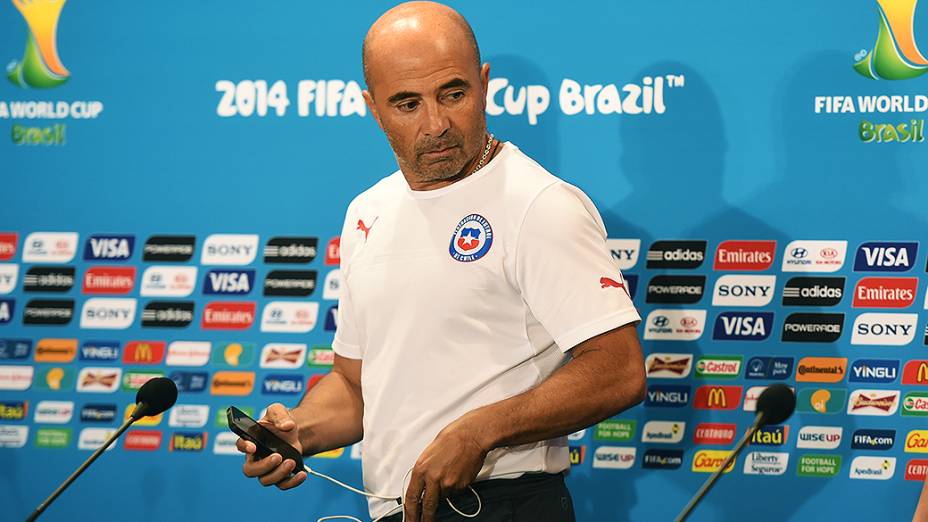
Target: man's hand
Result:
[[448, 465], [270, 470]]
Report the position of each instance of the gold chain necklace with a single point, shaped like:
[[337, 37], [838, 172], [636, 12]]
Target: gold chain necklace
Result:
[[486, 152]]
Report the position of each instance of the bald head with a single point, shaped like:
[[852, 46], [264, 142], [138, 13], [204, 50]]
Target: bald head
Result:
[[415, 27]]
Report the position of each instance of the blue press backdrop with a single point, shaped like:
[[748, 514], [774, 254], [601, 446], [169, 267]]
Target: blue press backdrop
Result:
[[740, 153]]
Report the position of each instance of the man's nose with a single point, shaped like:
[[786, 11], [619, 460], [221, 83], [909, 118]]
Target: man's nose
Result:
[[436, 121]]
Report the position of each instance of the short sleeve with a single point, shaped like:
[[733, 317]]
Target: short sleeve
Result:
[[347, 338], [564, 271]]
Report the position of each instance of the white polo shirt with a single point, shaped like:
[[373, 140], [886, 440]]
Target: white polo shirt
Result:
[[463, 296]]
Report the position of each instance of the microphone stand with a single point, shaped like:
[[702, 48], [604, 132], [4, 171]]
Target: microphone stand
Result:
[[109, 442], [718, 473]]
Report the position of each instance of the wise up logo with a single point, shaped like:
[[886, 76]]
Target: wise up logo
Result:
[[40, 66], [895, 55]]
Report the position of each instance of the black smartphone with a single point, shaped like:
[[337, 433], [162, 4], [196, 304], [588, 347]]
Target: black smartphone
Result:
[[265, 440]]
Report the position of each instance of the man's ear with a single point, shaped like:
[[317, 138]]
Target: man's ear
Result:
[[369, 100], [485, 81]]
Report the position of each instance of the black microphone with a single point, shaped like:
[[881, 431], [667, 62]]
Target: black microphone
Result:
[[154, 397], [775, 404]]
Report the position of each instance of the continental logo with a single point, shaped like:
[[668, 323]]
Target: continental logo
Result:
[[709, 461], [55, 350], [717, 397], [188, 441], [821, 369], [40, 66], [232, 383]]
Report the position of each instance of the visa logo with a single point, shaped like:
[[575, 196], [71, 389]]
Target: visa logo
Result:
[[113, 248], [100, 351], [235, 282], [881, 256], [874, 370], [283, 385], [331, 319], [744, 326]]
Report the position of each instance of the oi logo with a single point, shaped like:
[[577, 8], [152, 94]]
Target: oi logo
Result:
[[40, 66], [895, 55]]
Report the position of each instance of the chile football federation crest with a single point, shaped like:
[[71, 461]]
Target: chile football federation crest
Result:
[[471, 239]]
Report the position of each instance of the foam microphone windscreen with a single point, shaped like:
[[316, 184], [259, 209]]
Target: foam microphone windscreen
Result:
[[776, 404], [154, 397]]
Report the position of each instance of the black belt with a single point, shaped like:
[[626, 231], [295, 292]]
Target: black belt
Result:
[[493, 490]]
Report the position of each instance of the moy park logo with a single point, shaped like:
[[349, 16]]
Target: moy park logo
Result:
[[40, 66]]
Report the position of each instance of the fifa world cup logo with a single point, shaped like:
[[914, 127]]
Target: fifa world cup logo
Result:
[[40, 66], [895, 55]]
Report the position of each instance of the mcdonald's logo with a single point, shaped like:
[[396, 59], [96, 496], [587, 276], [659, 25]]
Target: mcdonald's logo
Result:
[[712, 397], [143, 352], [915, 372]]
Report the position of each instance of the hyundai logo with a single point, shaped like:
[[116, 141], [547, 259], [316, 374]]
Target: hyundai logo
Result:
[[799, 253], [660, 321]]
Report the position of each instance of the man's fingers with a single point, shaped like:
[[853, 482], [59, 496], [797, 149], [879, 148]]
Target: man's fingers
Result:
[[258, 467], [278, 474], [278, 416], [293, 481], [412, 498], [245, 447], [430, 501]]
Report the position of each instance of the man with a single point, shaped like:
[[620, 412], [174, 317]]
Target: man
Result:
[[481, 318]]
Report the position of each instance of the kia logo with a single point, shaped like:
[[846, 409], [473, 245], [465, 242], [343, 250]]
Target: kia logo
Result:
[[688, 322], [660, 321], [829, 253], [799, 253]]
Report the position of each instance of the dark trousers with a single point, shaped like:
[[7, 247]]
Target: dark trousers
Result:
[[533, 497]]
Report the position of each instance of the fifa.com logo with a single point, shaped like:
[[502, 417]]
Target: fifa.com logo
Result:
[[40, 66], [895, 55]]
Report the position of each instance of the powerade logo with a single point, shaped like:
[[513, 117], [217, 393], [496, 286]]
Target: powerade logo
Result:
[[228, 282], [895, 55], [812, 328], [743, 326], [277, 384], [47, 311], [676, 254], [169, 248], [292, 283], [108, 248], [778, 368], [662, 459], [880, 256], [666, 289], [873, 439], [667, 396], [874, 370], [40, 66], [813, 291]]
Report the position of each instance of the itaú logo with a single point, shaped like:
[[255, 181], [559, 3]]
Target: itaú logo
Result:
[[895, 55], [40, 66]]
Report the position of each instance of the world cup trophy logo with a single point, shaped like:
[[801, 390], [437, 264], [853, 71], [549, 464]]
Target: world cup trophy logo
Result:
[[40, 66]]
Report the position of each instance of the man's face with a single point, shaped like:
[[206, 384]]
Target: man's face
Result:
[[430, 102]]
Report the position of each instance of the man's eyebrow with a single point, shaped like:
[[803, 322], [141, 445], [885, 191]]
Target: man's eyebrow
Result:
[[402, 95], [451, 84]]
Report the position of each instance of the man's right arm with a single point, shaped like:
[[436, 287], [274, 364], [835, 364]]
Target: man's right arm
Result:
[[328, 418]]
